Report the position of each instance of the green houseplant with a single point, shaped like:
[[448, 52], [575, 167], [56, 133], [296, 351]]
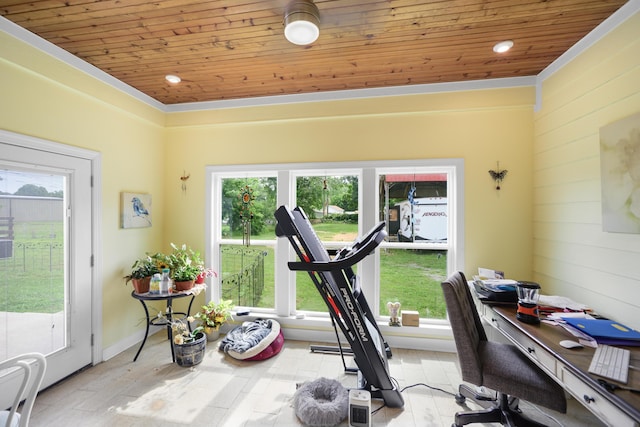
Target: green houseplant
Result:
[[185, 265], [213, 315], [141, 272]]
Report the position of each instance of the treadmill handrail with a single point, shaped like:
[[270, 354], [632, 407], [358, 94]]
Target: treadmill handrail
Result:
[[368, 245]]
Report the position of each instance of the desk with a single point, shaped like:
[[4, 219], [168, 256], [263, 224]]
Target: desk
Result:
[[568, 367], [165, 321]]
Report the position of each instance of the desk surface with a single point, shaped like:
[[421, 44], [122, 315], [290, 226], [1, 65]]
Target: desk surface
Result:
[[549, 336]]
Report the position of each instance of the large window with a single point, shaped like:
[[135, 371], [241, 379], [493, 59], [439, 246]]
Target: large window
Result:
[[418, 200], [331, 203], [247, 237], [413, 262]]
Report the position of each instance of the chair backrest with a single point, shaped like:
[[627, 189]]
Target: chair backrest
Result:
[[27, 369], [467, 328]]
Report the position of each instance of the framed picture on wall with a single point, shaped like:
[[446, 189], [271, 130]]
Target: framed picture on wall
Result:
[[620, 171], [135, 210]]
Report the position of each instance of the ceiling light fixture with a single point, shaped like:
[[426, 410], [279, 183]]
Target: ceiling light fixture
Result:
[[502, 47], [301, 22], [173, 79]]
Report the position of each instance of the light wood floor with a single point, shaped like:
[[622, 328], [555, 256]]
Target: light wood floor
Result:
[[222, 391]]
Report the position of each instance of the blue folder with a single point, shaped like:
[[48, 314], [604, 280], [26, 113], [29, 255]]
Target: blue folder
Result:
[[606, 331]]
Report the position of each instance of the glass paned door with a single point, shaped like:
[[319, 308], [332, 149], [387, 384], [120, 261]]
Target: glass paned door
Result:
[[32, 259], [45, 258]]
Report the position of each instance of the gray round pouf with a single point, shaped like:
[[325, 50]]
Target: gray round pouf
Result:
[[321, 403]]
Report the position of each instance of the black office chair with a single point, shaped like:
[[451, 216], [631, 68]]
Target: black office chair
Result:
[[499, 367]]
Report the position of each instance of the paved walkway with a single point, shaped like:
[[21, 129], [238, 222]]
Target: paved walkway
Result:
[[28, 332]]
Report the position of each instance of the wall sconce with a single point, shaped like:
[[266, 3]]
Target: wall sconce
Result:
[[498, 175], [301, 22]]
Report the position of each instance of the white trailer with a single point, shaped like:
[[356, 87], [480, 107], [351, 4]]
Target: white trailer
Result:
[[425, 220]]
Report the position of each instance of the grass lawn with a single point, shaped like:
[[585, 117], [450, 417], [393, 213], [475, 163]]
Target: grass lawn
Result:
[[33, 279], [411, 277]]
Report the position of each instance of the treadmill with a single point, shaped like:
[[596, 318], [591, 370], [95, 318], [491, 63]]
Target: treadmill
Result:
[[341, 291]]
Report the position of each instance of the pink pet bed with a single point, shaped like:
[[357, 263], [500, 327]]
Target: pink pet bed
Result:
[[256, 340]]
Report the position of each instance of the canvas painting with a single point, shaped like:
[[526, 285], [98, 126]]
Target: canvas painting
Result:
[[620, 169], [136, 210]]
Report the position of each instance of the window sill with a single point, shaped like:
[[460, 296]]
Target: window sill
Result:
[[434, 336]]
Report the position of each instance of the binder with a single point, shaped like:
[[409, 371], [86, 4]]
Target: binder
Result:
[[606, 331]]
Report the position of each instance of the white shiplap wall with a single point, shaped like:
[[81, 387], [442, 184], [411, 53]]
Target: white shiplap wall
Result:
[[572, 255]]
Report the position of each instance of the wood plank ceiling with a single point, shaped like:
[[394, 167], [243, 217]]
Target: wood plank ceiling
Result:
[[230, 49]]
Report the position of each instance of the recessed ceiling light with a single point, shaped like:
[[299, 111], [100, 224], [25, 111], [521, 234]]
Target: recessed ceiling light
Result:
[[502, 47], [173, 79]]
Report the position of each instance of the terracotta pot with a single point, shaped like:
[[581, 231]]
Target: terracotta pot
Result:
[[141, 286], [183, 286], [200, 279]]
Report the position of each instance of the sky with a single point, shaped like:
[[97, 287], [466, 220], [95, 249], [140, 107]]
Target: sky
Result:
[[11, 180]]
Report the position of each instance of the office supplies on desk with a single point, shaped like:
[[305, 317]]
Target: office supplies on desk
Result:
[[561, 303], [528, 295], [496, 290], [606, 331], [570, 344], [569, 367], [487, 273], [611, 362]]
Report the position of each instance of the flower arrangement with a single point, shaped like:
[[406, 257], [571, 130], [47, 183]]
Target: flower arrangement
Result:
[[204, 273], [182, 334], [214, 314]]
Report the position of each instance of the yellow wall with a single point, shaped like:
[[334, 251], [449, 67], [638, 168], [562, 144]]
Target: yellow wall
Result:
[[127, 133], [572, 255], [481, 127]]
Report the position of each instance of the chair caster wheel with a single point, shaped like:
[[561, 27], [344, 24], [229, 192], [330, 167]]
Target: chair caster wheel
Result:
[[460, 399]]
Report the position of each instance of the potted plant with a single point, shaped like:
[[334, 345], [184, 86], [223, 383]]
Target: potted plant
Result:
[[213, 315], [188, 345], [184, 276], [185, 265], [141, 272], [204, 273]]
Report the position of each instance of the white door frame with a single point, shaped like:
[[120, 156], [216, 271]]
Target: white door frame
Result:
[[96, 220]]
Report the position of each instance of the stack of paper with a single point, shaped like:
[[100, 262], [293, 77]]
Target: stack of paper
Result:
[[560, 302]]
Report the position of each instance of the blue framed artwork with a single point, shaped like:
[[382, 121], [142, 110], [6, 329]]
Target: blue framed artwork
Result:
[[135, 210]]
